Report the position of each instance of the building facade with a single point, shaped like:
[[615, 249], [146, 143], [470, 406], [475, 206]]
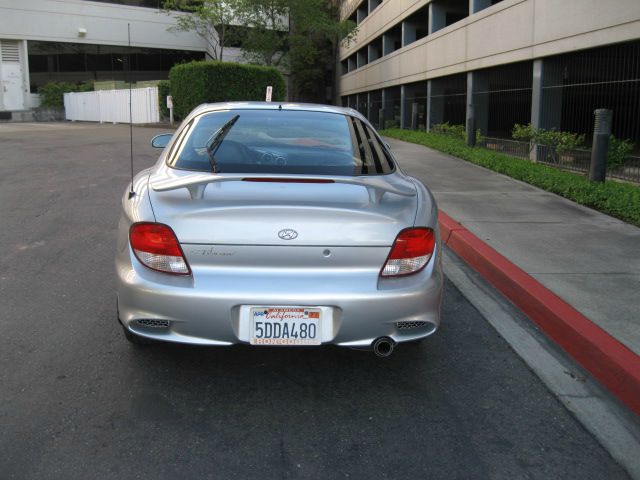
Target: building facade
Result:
[[418, 63], [78, 40]]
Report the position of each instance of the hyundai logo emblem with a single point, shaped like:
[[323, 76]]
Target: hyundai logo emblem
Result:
[[287, 234]]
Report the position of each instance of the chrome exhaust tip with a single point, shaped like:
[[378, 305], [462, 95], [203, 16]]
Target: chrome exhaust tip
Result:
[[383, 346]]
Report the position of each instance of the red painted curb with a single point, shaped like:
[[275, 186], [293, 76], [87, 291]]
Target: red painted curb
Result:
[[608, 360]]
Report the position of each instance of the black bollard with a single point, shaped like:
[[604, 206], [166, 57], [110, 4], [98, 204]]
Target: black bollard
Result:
[[600, 148]]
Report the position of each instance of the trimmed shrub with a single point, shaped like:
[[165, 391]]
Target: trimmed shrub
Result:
[[559, 141], [200, 82], [619, 151], [52, 93], [164, 90], [619, 200]]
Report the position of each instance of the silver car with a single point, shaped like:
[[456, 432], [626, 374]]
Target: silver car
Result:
[[282, 225]]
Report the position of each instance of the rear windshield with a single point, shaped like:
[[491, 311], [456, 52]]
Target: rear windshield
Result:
[[282, 142]]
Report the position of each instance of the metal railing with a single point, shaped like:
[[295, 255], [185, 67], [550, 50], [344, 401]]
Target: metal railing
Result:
[[577, 160]]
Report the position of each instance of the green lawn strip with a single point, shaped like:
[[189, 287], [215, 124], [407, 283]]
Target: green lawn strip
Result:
[[619, 200]]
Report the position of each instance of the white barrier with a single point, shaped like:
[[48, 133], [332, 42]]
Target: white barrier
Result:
[[113, 106]]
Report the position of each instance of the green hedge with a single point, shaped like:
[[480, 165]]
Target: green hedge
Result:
[[619, 200], [203, 82], [164, 90], [52, 93]]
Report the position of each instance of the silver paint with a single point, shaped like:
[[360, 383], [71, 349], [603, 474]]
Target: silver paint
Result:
[[228, 230]]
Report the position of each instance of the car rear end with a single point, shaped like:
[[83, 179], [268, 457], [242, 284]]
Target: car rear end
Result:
[[286, 254]]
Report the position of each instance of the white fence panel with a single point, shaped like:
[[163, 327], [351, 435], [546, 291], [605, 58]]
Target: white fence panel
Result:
[[113, 106]]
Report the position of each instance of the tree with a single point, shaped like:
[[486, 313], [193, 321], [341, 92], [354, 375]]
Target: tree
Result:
[[212, 20], [302, 36], [266, 39], [314, 42]]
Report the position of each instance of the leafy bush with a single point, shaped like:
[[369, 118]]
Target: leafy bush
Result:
[[619, 151], [52, 93], [616, 199], [200, 82], [84, 86], [391, 124], [164, 90], [455, 131], [559, 141]]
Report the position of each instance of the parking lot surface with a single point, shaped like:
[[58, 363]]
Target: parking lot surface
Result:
[[77, 401]]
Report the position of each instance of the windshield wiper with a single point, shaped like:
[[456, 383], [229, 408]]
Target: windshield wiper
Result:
[[216, 140]]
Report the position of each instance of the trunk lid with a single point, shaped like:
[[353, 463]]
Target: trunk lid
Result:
[[285, 214]]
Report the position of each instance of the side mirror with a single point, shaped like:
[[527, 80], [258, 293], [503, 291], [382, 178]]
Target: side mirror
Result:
[[162, 140]]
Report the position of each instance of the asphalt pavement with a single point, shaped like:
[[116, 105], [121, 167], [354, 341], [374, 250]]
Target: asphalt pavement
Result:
[[77, 401]]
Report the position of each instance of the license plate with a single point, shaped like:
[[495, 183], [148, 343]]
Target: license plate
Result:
[[287, 326]]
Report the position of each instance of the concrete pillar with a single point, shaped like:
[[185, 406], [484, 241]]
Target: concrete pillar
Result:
[[435, 103], [375, 102], [437, 17], [387, 104], [477, 5], [383, 107], [2, 107], [546, 103], [551, 95], [26, 81], [477, 84], [405, 113], [536, 94], [408, 95], [368, 111], [536, 103]]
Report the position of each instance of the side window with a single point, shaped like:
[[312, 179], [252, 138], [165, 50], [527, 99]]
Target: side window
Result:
[[386, 163], [375, 159]]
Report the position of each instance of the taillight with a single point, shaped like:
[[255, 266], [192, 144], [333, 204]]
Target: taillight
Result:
[[410, 252], [157, 247]]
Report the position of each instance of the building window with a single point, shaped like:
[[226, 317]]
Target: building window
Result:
[[76, 62]]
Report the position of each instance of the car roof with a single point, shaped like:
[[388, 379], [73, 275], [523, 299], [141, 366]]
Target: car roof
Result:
[[307, 107]]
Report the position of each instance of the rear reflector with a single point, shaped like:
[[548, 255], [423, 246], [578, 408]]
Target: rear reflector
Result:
[[156, 246], [410, 252]]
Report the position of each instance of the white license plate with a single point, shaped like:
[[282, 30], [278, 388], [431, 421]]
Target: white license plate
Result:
[[286, 326]]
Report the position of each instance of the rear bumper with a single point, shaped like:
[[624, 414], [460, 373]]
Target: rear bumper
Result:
[[211, 308]]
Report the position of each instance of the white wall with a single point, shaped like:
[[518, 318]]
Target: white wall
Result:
[[106, 24], [113, 106]]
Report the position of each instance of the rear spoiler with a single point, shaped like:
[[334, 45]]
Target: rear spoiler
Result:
[[197, 183]]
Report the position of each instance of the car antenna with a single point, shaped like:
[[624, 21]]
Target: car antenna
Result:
[[131, 192]]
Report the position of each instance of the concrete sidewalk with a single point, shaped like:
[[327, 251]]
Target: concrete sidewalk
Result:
[[588, 259]]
